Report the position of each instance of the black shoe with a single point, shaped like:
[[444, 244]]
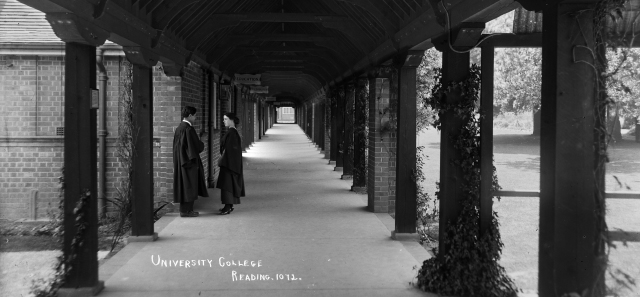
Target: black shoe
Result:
[[226, 212], [190, 214], [222, 209]]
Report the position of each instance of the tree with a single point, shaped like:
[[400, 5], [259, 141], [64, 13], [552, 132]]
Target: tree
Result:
[[623, 87], [518, 80], [426, 72]]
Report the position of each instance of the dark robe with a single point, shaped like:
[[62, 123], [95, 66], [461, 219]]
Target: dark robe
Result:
[[231, 178], [188, 172]]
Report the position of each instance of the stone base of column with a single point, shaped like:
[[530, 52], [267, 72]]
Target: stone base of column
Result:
[[82, 292], [358, 189], [346, 176], [143, 238], [337, 168], [404, 236]]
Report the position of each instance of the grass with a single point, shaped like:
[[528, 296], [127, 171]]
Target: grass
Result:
[[517, 160], [22, 236]]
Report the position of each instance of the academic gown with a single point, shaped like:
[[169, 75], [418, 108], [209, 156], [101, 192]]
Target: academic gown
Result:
[[231, 177], [188, 171]]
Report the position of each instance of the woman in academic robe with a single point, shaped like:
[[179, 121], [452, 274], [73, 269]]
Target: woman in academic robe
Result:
[[230, 179]]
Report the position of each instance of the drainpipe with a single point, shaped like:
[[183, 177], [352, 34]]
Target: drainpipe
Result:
[[212, 96], [102, 132]]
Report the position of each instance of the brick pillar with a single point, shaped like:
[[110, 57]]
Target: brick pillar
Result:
[[359, 137], [382, 141]]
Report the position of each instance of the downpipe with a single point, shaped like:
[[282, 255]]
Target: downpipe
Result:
[[102, 132]]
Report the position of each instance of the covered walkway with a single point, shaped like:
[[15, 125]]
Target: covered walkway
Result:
[[299, 220]]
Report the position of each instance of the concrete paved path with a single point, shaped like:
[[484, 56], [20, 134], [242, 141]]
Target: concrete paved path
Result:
[[298, 232]]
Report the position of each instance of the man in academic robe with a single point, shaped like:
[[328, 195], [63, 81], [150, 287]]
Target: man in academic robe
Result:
[[188, 171]]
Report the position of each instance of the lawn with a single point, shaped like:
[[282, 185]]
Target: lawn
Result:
[[517, 161]]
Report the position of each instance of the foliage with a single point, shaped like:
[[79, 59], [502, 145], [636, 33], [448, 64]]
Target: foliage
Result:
[[470, 266], [125, 149], [518, 79], [64, 264], [361, 128], [424, 83], [614, 69], [623, 74], [427, 210]]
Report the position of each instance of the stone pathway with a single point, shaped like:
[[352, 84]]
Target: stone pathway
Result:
[[298, 232]]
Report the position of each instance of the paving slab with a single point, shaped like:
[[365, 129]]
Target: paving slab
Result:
[[298, 232]]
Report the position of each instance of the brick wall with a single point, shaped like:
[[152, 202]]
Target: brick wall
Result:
[[31, 108]]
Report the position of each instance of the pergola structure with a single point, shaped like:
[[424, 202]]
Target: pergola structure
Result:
[[320, 54]]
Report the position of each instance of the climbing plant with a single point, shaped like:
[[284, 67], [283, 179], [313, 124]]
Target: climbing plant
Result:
[[469, 266], [613, 22], [65, 262], [125, 150], [361, 128]]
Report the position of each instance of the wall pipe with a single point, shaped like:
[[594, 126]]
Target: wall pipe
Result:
[[102, 132], [210, 79]]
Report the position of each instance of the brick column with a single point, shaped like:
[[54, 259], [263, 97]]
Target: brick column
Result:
[[382, 141]]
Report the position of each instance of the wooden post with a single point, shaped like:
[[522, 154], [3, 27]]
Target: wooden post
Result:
[[486, 138], [455, 67], [80, 149], [406, 191], [349, 108], [333, 137], [321, 125], [142, 181], [359, 137], [569, 235], [80, 167], [340, 104]]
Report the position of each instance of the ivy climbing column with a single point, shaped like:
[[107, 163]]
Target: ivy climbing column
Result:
[[360, 136], [406, 191], [80, 245], [455, 67], [142, 177], [349, 107]]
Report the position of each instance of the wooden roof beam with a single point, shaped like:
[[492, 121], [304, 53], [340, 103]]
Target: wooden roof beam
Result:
[[278, 17], [376, 12]]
